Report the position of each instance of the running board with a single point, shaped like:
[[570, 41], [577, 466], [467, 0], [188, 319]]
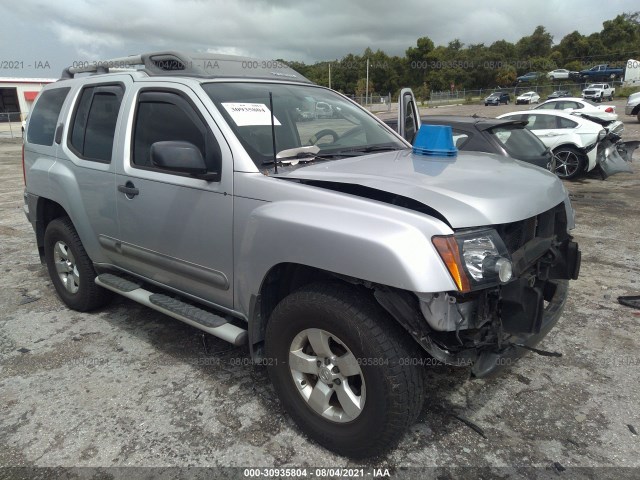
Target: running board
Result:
[[194, 316]]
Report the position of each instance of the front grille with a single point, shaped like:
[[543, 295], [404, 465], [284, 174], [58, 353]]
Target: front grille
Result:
[[545, 225]]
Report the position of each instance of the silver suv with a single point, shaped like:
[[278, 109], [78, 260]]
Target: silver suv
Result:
[[345, 260]]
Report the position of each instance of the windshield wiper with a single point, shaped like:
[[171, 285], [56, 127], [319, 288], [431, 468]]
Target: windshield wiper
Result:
[[298, 152], [365, 150], [306, 154]]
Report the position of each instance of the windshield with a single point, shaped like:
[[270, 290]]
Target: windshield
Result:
[[304, 116], [519, 142]]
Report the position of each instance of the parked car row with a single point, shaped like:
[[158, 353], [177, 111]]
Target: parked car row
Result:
[[602, 72]]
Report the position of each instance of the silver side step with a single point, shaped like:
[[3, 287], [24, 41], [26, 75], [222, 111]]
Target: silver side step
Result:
[[194, 316]]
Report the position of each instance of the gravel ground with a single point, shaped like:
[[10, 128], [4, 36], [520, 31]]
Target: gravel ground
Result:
[[128, 387]]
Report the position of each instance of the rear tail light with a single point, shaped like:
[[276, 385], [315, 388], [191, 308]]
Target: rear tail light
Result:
[[610, 110], [24, 173]]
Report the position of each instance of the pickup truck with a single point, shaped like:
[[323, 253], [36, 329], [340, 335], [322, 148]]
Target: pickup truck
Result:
[[601, 72], [598, 91]]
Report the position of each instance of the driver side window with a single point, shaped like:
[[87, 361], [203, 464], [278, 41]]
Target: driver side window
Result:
[[164, 116]]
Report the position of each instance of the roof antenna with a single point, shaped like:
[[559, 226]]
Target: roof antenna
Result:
[[273, 134]]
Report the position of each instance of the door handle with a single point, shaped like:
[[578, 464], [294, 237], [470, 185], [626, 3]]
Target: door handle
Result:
[[129, 190]]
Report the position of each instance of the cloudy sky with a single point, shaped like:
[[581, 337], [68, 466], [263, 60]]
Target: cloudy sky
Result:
[[43, 36]]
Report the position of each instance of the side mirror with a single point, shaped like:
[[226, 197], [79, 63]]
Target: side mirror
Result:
[[178, 156]]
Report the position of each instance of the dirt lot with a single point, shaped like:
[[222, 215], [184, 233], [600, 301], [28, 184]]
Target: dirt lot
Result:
[[128, 387]]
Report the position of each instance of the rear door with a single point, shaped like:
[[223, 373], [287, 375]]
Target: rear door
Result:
[[544, 127], [174, 229], [90, 144]]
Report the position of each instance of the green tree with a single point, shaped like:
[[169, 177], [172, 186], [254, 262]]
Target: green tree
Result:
[[538, 44], [506, 75]]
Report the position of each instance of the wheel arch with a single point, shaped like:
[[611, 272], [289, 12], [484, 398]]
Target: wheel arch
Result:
[[46, 211], [280, 281]]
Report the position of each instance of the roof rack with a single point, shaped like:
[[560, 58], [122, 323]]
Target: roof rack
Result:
[[201, 65]]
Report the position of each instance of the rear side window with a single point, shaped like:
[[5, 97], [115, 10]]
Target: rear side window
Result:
[[541, 122], [94, 122], [566, 123], [44, 117], [517, 141]]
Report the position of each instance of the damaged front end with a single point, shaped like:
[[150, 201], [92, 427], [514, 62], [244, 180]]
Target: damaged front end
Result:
[[613, 155], [512, 285]]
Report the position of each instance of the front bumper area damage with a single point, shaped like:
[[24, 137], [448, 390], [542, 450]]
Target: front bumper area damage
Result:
[[615, 157], [488, 329]]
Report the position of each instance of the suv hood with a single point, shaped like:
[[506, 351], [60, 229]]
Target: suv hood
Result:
[[472, 189]]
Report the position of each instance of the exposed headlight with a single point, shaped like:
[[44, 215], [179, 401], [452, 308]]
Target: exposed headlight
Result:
[[475, 259]]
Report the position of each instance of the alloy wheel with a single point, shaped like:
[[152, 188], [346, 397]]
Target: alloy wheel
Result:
[[66, 266], [327, 375]]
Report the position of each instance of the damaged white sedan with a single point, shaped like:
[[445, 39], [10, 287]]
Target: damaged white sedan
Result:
[[580, 143]]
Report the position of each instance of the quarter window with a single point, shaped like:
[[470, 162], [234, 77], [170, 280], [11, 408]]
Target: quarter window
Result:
[[44, 118], [566, 123]]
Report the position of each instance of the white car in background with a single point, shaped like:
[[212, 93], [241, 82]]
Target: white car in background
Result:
[[559, 74], [580, 106], [528, 98], [573, 140]]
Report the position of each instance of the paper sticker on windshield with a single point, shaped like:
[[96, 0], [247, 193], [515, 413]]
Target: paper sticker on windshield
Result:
[[245, 114]]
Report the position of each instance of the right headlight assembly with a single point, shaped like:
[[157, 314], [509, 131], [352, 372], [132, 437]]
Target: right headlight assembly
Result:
[[475, 259]]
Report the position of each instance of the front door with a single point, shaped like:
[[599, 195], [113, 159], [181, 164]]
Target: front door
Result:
[[175, 229]]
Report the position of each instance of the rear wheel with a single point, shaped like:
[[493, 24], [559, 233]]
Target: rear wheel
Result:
[[570, 163], [70, 268], [343, 370]]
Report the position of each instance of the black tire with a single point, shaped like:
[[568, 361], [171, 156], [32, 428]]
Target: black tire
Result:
[[390, 387], [570, 163], [60, 239]]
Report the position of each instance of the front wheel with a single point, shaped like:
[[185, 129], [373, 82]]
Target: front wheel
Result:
[[570, 163], [344, 371], [70, 268]]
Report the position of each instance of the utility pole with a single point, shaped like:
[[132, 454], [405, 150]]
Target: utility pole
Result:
[[366, 88], [329, 75]]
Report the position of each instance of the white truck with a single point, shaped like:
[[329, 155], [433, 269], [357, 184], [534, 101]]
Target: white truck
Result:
[[598, 91]]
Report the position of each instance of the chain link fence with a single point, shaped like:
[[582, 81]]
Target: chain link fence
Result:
[[11, 124]]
